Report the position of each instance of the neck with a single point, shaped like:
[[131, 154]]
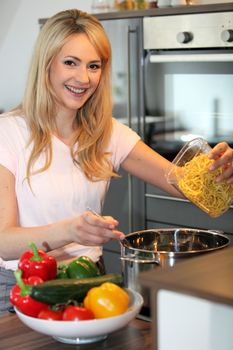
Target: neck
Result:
[[66, 128]]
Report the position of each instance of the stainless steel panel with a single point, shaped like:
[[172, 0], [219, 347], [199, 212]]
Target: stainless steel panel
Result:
[[124, 193], [126, 41], [205, 30]]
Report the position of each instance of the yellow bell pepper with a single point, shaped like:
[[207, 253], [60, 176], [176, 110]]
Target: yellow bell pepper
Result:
[[107, 300]]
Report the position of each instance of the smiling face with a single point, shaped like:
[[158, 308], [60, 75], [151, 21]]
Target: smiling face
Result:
[[75, 73]]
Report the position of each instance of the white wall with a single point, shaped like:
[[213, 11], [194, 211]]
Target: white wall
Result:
[[18, 31]]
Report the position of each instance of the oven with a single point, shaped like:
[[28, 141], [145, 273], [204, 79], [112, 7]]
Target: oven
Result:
[[188, 79], [188, 93]]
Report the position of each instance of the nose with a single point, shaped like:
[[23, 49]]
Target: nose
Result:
[[82, 75]]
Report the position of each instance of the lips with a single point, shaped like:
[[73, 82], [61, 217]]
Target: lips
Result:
[[76, 91]]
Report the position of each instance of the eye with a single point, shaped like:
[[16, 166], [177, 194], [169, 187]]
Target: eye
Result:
[[69, 62], [95, 66]]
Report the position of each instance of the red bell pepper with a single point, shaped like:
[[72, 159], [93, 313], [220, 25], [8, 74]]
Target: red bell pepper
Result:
[[20, 295], [37, 263]]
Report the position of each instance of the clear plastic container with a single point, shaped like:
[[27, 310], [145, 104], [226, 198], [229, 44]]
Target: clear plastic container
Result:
[[190, 175]]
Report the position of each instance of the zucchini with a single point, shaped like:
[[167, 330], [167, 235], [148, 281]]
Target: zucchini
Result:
[[60, 291]]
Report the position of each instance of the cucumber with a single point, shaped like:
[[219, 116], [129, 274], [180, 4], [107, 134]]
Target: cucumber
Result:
[[60, 291]]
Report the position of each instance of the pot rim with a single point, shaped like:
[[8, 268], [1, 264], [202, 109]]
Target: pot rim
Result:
[[171, 254]]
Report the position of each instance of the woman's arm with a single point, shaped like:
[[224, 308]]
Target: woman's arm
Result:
[[149, 166], [86, 229]]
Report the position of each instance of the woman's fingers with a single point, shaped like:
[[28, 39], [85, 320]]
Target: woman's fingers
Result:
[[89, 229], [103, 221], [222, 154]]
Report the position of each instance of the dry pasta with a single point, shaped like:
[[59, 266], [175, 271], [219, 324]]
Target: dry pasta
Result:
[[198, 184]]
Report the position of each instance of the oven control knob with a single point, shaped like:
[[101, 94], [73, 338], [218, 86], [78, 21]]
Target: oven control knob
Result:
[[227, 35], [184, 37]]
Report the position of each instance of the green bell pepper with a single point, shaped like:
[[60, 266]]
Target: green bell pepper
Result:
[[82, 267]]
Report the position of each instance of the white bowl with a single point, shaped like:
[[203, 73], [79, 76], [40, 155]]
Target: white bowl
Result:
[[83, 332]]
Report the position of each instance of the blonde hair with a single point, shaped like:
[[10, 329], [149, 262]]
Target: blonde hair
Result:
[[94, 119]]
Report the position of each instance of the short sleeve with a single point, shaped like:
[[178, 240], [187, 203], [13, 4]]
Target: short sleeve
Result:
[[7, 159], [122, 142], [9, 139]]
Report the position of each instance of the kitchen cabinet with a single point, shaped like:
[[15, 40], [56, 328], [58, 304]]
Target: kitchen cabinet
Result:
[[192, 303]]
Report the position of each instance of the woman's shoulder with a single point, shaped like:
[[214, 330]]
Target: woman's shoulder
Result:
[[15, 113], [119, 124], [121, 128], [122, 142], [12, 119]]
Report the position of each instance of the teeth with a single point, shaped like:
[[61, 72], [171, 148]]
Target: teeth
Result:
[[76, 91]]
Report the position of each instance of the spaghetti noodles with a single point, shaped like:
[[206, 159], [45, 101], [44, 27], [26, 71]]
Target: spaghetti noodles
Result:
[[198, 184]]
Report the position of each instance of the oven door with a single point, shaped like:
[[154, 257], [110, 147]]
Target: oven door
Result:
[[188, 94]]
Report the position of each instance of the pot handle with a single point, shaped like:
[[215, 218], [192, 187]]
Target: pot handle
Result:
[[132, 258]]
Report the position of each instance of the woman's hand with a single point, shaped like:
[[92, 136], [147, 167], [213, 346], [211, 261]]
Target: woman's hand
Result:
[[92, 230], [222, 154]]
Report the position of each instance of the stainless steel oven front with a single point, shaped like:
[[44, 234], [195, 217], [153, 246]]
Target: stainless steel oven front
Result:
[[188, 79], [188, 92]]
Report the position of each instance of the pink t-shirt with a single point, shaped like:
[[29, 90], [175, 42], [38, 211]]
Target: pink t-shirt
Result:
[[62, 191]]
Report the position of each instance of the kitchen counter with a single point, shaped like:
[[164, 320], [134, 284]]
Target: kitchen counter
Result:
[[208, 276], [195, 296], [15, 335]]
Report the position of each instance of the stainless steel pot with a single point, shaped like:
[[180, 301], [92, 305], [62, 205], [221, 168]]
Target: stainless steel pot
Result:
[[159, 248]]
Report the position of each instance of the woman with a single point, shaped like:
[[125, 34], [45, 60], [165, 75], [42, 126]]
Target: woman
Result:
[[60, 148]]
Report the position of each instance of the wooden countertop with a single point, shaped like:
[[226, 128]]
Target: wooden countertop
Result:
[[14, 335]]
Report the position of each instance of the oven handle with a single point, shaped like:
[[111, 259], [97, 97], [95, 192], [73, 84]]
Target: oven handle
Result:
[[191, 58], [175, 199], [158, 196]]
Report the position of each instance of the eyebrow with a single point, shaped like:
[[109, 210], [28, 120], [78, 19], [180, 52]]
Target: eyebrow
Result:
[[78, 59]]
